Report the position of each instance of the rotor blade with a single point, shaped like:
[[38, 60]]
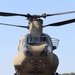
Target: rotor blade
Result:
[[11, 14], [61, 23], [14, 25], [61, 13]]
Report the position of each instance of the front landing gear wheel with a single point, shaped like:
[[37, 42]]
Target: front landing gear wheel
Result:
[[55, 73]]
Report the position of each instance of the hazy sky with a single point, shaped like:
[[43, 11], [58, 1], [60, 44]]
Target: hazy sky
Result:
[[9, 36]]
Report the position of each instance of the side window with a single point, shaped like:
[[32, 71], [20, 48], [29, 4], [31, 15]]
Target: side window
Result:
[[48, 41], [35, 40]]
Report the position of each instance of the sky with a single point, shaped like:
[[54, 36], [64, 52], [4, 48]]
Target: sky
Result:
[[9, 36]]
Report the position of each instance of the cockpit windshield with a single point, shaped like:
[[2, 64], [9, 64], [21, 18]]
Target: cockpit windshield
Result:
[[35, 40]]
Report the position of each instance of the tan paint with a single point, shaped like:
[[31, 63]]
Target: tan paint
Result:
[[35, 27], [25, 65]]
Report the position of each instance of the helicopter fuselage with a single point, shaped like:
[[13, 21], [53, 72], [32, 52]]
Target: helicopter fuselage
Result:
[[35, 57]]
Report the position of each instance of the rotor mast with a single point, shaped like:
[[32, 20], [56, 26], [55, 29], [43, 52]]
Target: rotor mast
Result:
[[36, 27]]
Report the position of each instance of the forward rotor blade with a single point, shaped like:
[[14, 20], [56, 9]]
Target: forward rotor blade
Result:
[[61, 23], [11, 14], [14, 25], [61, 13]]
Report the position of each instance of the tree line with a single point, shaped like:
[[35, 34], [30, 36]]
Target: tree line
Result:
[[68, 74]]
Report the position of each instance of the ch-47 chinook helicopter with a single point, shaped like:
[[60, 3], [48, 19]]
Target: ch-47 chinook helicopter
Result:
[[35, 51]]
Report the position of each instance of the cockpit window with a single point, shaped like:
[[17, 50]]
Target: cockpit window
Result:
[[35, 40]]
